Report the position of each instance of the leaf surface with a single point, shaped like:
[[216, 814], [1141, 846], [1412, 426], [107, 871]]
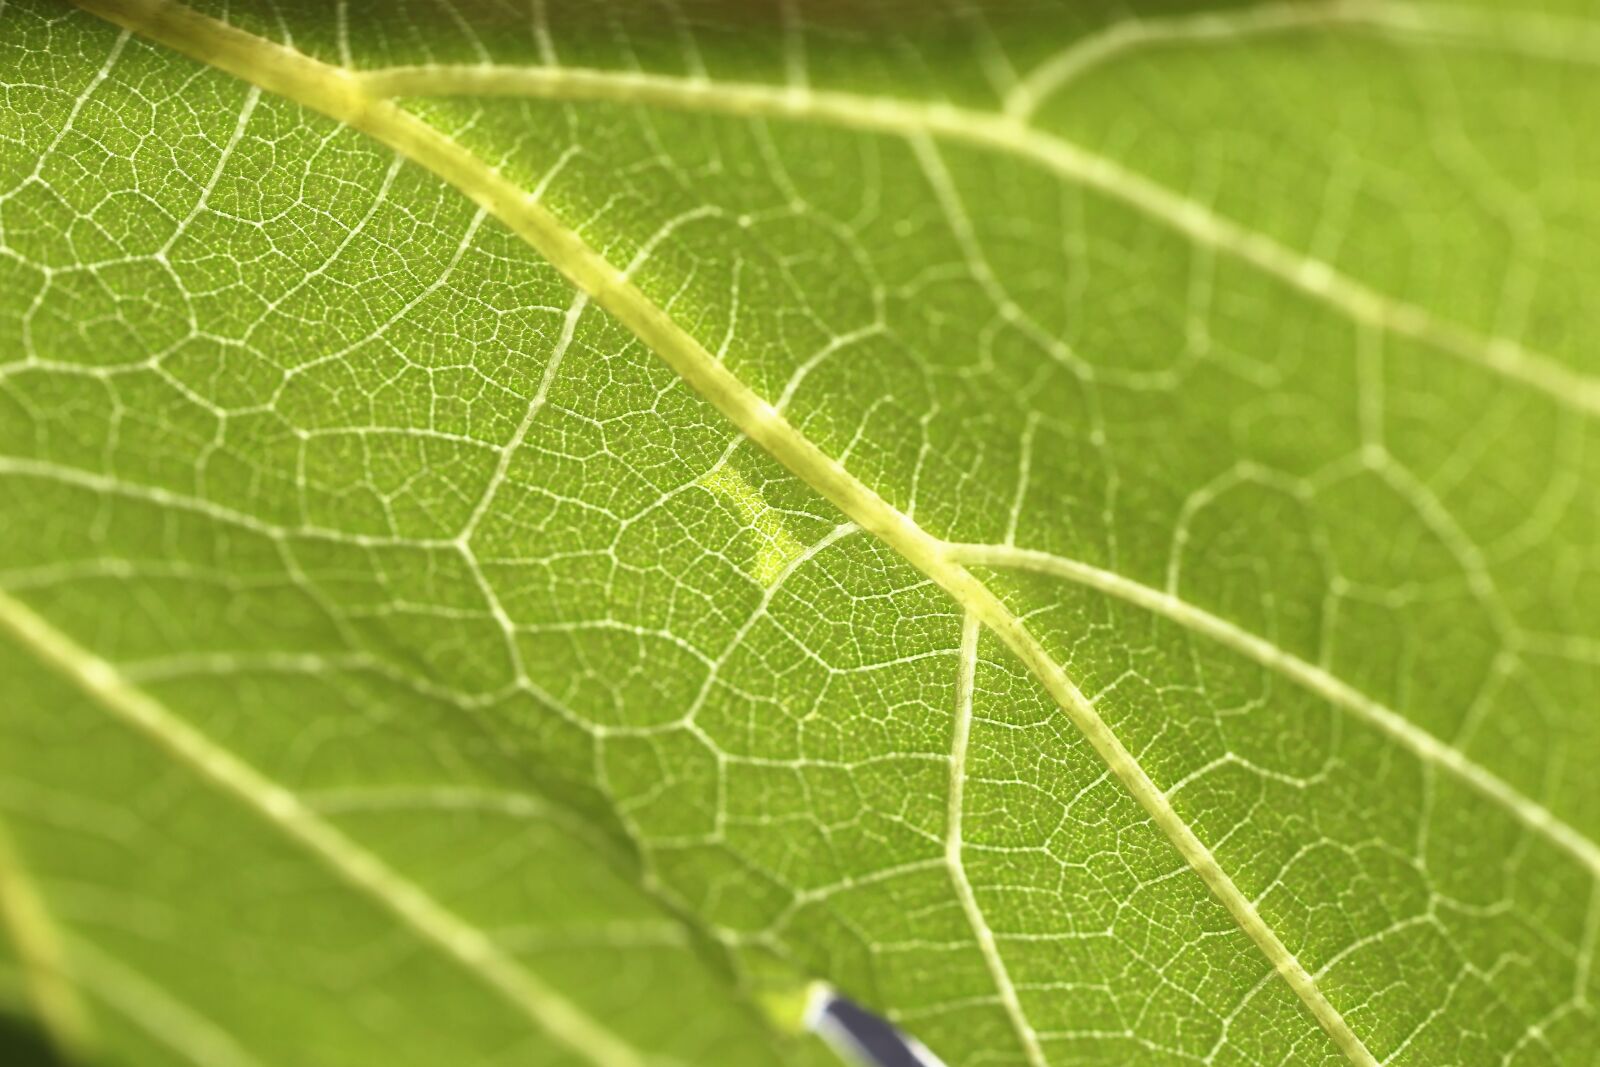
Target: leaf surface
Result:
[[528, 537]]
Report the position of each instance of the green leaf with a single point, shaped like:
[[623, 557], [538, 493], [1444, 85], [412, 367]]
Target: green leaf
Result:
[[533, 534]]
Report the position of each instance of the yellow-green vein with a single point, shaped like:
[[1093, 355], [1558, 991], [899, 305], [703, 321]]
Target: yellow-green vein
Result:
[[1013, 136], [47, 981], [347, 860], [340, 95]]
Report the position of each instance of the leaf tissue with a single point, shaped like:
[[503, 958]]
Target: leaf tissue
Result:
[[547, 532]]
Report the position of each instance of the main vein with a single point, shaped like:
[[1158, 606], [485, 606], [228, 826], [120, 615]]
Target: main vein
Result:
[[1568, 40], [340, 95], [353, 864]]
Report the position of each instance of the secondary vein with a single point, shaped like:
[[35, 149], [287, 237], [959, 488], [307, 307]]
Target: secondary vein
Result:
[[1308, 676], [1013, 136], [339, 94], [960, 734], [357, 867], [155, 1011]]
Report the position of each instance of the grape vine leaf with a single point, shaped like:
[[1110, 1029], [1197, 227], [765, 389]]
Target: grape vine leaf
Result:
[[529, 533]]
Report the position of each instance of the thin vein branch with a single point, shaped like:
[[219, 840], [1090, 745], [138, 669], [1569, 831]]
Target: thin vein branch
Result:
[[1316, 680], [1007, 134], [961, 733]]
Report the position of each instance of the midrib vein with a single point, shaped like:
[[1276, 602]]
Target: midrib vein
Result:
[[338, 94], [358, 868]]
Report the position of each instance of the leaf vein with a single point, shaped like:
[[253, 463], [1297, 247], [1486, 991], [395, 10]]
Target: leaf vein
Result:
[[1008, 135], [361, 870], [960, 734], [1303, 673], [343, 96]]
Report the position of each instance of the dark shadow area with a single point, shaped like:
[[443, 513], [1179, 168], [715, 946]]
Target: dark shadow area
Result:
[[22, 1044]]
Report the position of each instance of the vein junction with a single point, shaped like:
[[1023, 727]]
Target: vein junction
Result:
[[357, 100], [1009, 133], [339, 94]]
